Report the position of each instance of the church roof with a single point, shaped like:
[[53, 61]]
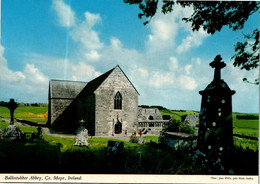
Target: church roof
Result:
[[65, 89], [71, 89], [95, 83]]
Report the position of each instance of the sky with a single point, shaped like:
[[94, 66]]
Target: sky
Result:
[[79, 40]]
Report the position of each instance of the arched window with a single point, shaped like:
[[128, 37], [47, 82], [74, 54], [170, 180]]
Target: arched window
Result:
[[150, 118], [118, 101]]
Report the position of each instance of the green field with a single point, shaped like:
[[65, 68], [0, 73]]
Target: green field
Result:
[[177, 114], [58, 155], [27, 113], [240, 126], [245, 126]]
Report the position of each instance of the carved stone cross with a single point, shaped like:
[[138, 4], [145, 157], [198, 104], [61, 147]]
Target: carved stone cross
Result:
[[11, 105], [218, 65]]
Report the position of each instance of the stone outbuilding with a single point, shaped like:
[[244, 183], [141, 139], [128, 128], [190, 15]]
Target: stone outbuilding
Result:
[[151, 121]]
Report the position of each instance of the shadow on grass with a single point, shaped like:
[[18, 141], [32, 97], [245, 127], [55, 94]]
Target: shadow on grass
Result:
[[38, 156]]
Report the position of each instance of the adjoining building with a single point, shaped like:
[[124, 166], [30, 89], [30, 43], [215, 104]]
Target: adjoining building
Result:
[[108, 105]]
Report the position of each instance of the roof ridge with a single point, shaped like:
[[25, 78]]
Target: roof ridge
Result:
[[66, 80]]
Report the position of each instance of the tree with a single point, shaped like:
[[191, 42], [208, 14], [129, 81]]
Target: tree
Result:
[[212, 16]]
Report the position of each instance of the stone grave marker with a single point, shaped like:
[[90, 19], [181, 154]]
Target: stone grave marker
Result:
[[215, 137], [39, 133], [114, 148], [12, 132], [81, 135], [12, 106], [1, 133]]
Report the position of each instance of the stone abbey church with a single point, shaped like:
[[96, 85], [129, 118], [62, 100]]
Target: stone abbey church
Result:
[[108, 105]]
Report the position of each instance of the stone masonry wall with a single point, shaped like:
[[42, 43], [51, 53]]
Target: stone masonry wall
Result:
[[106, 115], [57, 106], [145, 113], [86, 111]]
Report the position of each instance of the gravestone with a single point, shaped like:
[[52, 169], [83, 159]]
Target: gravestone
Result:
[[11, 105], [215, 137], [1, 133], [114, 148], [12, 132], [39, 133], [81, 135]]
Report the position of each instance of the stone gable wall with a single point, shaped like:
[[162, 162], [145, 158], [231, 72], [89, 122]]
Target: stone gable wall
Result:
[[144, 113], [106, 115]]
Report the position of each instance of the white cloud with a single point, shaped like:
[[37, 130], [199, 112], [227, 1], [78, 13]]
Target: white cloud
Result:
[[84, 72], [87, 38], [34, 75], [66, 16], [163, 32], [30, 84], [161, 79], [187, 69], [93, 55], [84, 33], [194, 39], [160, 69], [173, 64], [197, 60], [187, 82], [143, 73], [8, 76], [92, 19], [116, 43]]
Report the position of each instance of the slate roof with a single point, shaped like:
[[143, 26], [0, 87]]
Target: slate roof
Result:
[[65, 89], [95, 83], [72, 89]]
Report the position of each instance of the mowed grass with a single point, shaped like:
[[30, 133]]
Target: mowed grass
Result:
[[177, 114], [240, 126], [151, 139], [245, 126], [67, 143], [28, 129], [246, 143], [25, 113]]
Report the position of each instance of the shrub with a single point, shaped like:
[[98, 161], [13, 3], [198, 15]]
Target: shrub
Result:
[[247, 116], [134, 139], [187, 129], [177, 126], [173, 126]]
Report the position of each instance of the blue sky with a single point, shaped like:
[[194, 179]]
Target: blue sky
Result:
[[79, 40]]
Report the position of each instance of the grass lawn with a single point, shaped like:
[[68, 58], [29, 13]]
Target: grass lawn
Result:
[[246, 127], [240, 126], [246, 143], [151, 138], [176, 114], [26, 113], [58, 155], [67, 143]]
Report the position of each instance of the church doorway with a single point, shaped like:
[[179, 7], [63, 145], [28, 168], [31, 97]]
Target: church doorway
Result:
[[118, 127]]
